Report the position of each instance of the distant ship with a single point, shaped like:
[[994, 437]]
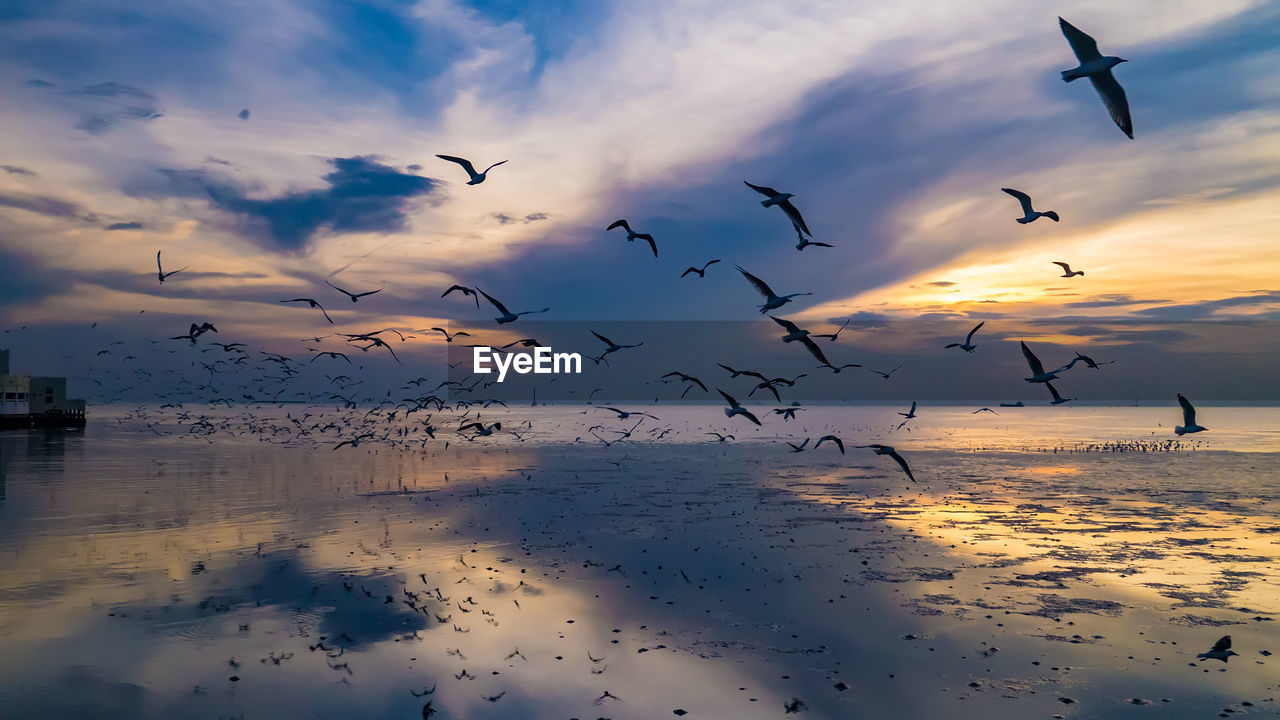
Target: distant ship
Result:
[[1017, 404]]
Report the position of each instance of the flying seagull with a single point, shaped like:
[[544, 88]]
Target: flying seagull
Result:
[[839, 443], [355, 297], [1057, 399], [160, 270], [1098, 69], [1029, 214], [449, 338], [464, 291], [1067, 271], [686, 379], [968, 345], [1038, 375], [735, 373], [836, 335], [783, 201], [795, 332], [1189, 426], [633, 235], [1094, 364], [507, 316], [800, 447], [736, 409], [888, 450], [701, 272], [1221, 650], [311, 303], [476, 178], [772, 301], [613, 346], [885, 375], [909, 415]]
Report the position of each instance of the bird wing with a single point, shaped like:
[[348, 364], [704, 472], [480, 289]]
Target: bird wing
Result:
[[1114, 98], [649, 239], [452, 288], [1085, 47], [603, 339], [839, 443], [493, 166], [766, 191], [501, 308], [747, 414], [913, 407], [1023, 199], [322, 311], [814, 350], [1032, 361], [619, 224], [761, 286], [969, 337], [796, 218], [709, 264], [465, 163], [335, 287], [690, 270], [1188, 412], [158, 268], [728, 398], [786, 324], [1224, 643], [1065, 267], [894, 454], [697, 382], [1053, 391], [371, 292]]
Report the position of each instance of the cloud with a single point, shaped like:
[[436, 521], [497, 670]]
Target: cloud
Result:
[[105, 105], [940, 283], [1205, 309], [43, 205], [17, 170], [124, 226], [505, 219], [363, 195]]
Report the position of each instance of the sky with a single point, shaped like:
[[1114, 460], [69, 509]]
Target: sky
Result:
[[268, 147]]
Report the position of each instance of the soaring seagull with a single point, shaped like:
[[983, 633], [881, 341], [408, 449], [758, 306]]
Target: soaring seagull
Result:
[[1038, 375], [1098, 69], [1188, 425], [311, 302], [795, 332], [968, 345], [888, 450], [507, 316], [772, 301], [633, 235], [1029, 214], [476, 178], [783, 201], [160, 270], [1067, 271], [839, 443], [355, 297], [464, 291], [700, 272], [909, 415], [736, 409], [1057, 399], [612, 346]]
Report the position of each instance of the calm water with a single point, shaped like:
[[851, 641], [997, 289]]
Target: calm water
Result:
[[235, 571]]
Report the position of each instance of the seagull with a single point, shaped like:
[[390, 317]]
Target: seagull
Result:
[[686, 379], [968, 345], [772, 301], [623, 414], [476, 178], [884, 375], [1188, 426], [839, 443], [835, 335], [507, 316], [1029, 214], [633, 235], [735, 373], [449, 338], [1038, 375], [524, 342], [800, 447], [312, 303], [794, 333], [909, 415], [736, 409], [1067, 270], [783, 201], [1221, 650], [1057, 399], [722, 438], [787, 413], [888, 450], [1094, 364], [982, 410], [355, 297], [334, 355], [701, 272], [160, 270], [837, 368], [613, 346], [1098, 69], [805, 242], [464, 291]]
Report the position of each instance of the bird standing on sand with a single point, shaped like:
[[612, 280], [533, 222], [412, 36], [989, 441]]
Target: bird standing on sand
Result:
[[1098, 69]]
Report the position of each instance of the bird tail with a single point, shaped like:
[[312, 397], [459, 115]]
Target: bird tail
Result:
[[1051, 215], [1072, 74]]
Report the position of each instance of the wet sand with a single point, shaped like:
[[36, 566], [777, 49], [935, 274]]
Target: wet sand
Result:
[[160, 578]]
